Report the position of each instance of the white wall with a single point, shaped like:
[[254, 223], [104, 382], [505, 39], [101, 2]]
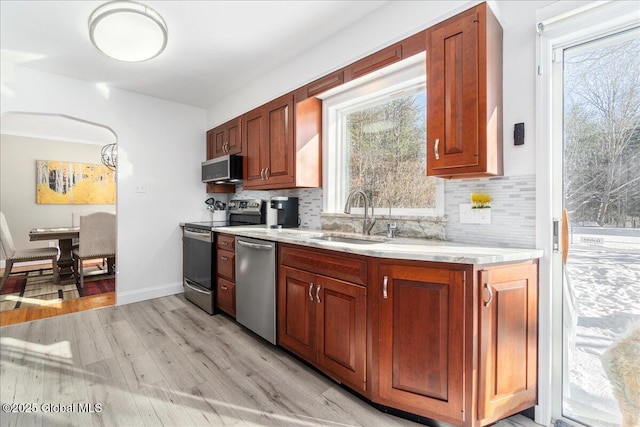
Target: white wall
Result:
[[160, 145], [18, 155], [393, 22]]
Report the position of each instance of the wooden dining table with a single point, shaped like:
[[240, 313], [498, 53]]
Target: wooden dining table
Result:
[[64, 236]]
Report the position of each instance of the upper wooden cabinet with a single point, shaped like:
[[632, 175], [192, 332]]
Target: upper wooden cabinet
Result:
[[225, 139], [222, 140], [464, 101], [282, 144]]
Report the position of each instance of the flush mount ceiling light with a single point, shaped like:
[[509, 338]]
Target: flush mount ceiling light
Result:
[[128, 31]]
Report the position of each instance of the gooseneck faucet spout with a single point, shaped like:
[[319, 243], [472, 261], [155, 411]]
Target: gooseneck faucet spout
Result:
[[368, 223]]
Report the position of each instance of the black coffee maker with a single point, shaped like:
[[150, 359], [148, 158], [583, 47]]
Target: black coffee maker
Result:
[[284, 212]]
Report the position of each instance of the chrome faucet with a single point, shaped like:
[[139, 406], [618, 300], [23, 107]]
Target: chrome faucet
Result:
[[391, 226], [368, 222]]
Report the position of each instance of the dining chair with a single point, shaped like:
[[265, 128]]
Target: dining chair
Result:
[[97, 240], [13, 256]]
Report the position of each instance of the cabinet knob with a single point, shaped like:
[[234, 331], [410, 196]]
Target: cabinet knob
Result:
[[311, 291]]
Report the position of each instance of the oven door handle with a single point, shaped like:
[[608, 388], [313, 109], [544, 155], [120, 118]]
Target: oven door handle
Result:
[[203, 237], [186, 283], [254, 245]]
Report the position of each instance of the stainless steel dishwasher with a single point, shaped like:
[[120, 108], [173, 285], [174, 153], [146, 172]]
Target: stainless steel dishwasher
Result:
[[256, 286]]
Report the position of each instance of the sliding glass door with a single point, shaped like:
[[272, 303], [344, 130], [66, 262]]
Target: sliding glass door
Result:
[[600, 187]]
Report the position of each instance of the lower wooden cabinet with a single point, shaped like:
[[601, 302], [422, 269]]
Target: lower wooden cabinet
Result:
[[508, 353], [455, 343], [421, 340], [226, 274], [323, 320], [226, 296]]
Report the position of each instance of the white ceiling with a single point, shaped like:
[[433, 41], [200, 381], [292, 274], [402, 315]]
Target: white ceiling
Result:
[[214, 47], [56, 127]]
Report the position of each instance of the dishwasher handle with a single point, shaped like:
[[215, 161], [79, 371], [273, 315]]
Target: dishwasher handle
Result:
[[254, 245]]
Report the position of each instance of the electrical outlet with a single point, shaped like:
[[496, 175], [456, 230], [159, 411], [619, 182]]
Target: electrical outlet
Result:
[[468, 215], [141, 188]]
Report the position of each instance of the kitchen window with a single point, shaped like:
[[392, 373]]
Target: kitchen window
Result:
[[375, 140]]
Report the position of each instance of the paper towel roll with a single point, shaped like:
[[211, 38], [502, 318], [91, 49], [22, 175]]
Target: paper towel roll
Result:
[[272, 216]]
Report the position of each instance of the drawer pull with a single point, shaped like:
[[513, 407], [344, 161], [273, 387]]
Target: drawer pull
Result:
[[385, 284], [488, 288], [224, 258], [224, 288]]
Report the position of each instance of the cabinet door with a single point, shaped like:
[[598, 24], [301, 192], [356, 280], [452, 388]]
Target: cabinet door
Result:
[[452, 88], [508, 340], [341, 317], [280, 144], [219, 141], [421, 362], [254, 134], [211, 144], [296, 312], [233, 133]]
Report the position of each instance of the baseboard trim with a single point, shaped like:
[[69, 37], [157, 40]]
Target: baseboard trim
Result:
[[128, 297]]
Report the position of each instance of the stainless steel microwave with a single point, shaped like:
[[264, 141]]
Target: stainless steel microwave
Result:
[[223, 170]]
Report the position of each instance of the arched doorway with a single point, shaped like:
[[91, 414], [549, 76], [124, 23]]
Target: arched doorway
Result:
[[31, 142]]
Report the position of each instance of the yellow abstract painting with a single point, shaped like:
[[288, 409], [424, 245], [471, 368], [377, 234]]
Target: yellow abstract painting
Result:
[[68, 183]]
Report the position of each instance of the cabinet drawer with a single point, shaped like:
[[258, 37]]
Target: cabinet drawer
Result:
[[339, 266], [226, 242], [226, 296], [226, 265]]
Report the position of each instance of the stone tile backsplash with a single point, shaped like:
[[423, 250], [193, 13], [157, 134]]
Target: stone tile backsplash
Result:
[[512, 213]]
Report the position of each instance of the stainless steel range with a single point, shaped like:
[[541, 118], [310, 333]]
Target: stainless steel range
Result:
[[199, 265]]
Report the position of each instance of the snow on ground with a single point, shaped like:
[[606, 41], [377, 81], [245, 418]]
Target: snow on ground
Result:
[[604, 279]]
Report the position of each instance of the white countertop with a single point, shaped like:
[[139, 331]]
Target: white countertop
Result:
[[397, 248]]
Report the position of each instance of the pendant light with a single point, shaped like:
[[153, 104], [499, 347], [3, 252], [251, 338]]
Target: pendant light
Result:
[[128, 31], [109, 156]]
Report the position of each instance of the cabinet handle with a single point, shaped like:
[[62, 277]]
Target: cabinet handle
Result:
[[310, 291], [385, 284], [224, 258], [486, 285], [318, 294], [266, 174], [262, 174], [435, 148], [224, 288]]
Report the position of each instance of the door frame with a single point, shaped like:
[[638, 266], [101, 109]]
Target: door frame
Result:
[[559, 25]]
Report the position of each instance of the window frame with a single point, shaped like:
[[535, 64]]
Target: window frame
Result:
[[385, 85]]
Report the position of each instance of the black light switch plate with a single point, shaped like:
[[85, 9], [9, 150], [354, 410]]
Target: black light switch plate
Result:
[[518, 134]]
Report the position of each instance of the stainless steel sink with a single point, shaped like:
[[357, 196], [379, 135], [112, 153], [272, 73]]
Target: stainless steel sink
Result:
[[352, 240]]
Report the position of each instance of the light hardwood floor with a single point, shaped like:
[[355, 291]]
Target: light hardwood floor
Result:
[[164, 362], [27, 314]]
